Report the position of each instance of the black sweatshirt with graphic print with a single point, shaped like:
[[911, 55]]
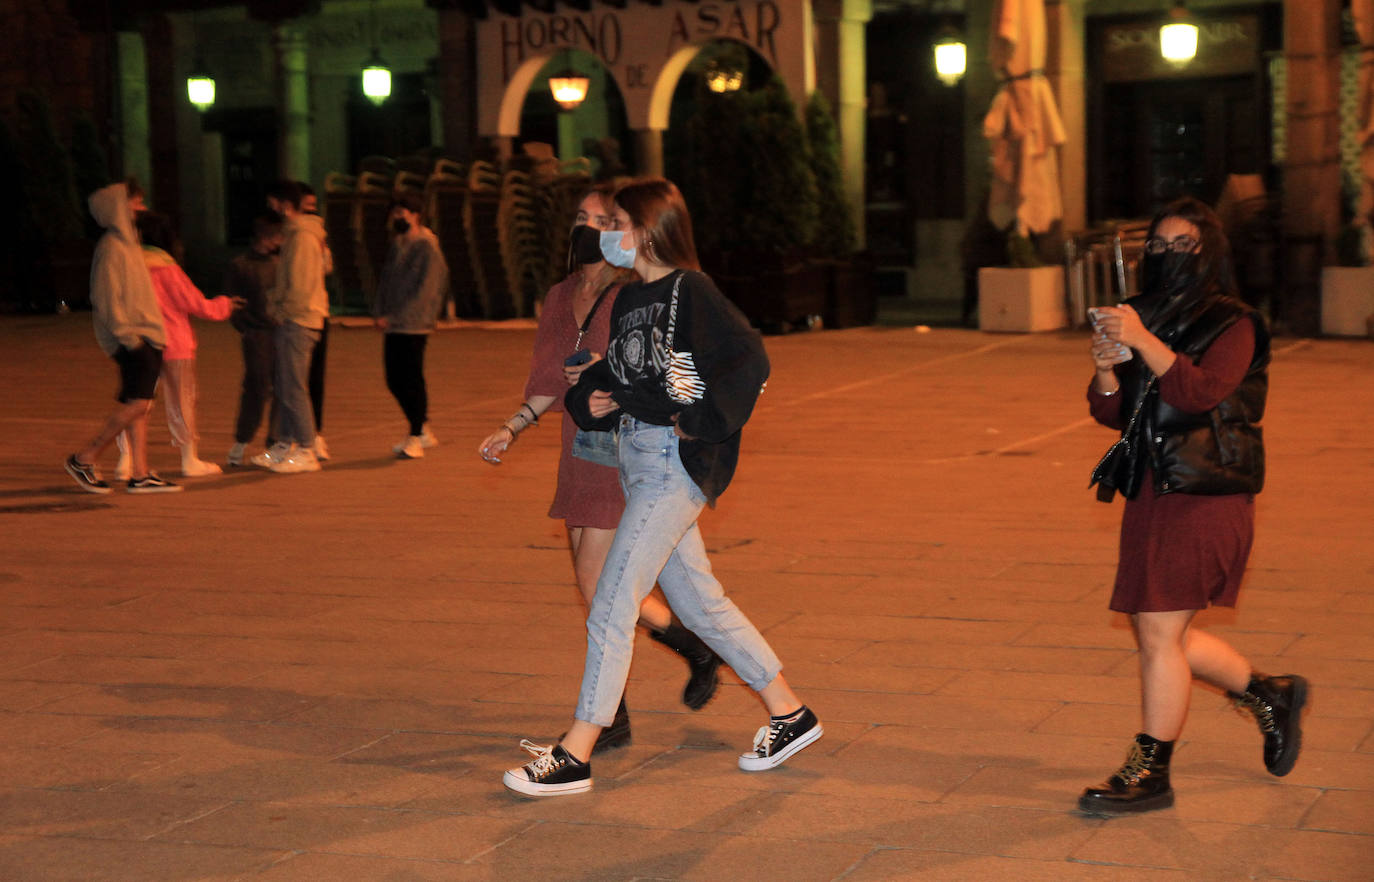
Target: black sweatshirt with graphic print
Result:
[[728, 355]]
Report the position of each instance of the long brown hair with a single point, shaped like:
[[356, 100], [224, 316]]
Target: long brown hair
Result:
[[656, 206], [1215, 268]]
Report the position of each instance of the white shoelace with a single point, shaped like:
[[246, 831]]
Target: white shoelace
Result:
[[543, 762], [763, 739]]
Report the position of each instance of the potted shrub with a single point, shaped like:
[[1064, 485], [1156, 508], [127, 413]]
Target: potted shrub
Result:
[[1025, 295]]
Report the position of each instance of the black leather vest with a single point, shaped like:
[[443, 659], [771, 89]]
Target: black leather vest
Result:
[[1216, 452]]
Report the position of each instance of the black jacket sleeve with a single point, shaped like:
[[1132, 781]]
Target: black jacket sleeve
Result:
[[596, 377], [729, 356]]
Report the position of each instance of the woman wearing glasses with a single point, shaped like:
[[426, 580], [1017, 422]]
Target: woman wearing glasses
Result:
[[1181, 371]]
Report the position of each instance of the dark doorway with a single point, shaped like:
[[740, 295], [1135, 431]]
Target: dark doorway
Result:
[[1158, 141], [400, 126], [250, 165]]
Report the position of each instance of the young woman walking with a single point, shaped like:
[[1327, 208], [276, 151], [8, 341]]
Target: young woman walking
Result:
[[679, 380], [1182, 373], [574, 326]]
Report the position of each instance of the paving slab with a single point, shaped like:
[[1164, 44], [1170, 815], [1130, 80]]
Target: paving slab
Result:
[[322, 676]]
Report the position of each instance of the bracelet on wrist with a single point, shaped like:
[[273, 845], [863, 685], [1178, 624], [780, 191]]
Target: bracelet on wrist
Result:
[[1111, 393]]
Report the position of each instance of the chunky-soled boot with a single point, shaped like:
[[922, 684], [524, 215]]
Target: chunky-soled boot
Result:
[[701, 659], [1141, 785], [617, 734], [1277, 704]]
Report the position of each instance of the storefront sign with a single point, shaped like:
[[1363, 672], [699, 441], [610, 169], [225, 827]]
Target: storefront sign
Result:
[[643, 47], [1226, 45]]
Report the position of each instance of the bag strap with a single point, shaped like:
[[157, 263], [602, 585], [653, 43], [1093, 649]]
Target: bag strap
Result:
[[587, 322]]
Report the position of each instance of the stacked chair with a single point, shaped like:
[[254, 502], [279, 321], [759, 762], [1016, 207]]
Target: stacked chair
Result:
[[503, 230]]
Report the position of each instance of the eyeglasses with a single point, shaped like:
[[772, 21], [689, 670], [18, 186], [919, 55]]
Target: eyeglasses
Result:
[[1178, 245]]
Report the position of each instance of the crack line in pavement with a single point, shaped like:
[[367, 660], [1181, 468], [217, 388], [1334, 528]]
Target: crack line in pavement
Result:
[[849, 387]]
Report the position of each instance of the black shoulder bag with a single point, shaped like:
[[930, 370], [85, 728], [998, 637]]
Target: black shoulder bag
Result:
[[593, 446], [1114, 470]]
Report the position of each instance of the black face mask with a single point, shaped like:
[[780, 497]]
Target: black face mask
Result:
[[401, 225], [1170, 273], [584, 247]]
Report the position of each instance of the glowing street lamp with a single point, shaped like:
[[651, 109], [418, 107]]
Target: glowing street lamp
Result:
[[1178, 38], [569, 89], [377, 80], [721, 79], [200, 89], [951, 58]]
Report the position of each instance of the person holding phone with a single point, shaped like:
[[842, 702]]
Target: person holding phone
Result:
[[681, 374], [1187, 391], [574, 327]]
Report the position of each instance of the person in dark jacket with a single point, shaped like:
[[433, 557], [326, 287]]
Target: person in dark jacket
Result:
[[1181, 371], [679, 381], [410, 293], [251, 275]]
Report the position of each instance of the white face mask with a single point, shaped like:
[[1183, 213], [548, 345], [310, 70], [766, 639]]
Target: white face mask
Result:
[[616, 255]]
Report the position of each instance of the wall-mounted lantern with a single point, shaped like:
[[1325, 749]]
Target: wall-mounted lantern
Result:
[[1178, 37], [200, 89], [723, 78], [951, 57], [377, 80]]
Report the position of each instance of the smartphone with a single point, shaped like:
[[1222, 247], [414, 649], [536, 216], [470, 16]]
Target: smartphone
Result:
[[1123, 352], [581, 356]]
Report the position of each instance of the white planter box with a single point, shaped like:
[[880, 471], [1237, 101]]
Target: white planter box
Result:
[[1021, 299], [1347, 300]]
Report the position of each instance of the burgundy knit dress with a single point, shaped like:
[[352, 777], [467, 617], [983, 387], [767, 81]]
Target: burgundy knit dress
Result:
[[588, 495], [1179, 550]]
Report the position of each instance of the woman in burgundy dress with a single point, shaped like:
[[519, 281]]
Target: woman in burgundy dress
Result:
[[1181, 371], [574, 329]]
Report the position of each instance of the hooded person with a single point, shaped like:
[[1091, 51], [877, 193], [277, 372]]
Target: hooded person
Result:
[[129, 328], [299, 306]]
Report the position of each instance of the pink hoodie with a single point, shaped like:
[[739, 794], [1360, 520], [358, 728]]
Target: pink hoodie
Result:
[[179, 299]]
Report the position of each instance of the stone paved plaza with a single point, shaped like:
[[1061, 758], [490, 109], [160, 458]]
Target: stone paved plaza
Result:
[[322, 676]]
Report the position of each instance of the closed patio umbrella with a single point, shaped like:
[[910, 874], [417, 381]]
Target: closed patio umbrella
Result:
[[1023, 125]]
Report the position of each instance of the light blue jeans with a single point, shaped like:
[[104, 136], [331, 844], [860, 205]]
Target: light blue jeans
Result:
[[658, 540], [294, 416]]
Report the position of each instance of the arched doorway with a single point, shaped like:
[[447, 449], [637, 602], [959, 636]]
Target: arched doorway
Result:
[[596, 129]]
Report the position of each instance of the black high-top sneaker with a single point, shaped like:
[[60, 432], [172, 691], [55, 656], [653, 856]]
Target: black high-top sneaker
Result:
[[1141, 785], [701, 660], [552, 772], [1277, 704], [782, 737]]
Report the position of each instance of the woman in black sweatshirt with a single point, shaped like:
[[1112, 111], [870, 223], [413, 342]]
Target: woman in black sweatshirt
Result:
[[679, 381]]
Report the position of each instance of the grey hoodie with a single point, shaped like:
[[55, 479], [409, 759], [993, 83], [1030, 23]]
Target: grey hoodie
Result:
[[125, 305]]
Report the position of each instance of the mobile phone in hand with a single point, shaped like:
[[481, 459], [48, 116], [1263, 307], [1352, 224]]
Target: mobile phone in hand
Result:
[[581, 356]]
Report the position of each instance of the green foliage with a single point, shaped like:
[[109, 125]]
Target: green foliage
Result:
[[835, 232], [747, 175]]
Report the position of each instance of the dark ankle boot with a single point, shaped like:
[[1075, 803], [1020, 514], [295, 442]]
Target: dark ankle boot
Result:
[[1277, 704], [617, 734], [701, 659], [1141, 785]]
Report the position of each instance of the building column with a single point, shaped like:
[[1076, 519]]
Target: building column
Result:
[[1312, 172], [841, 76], [458, 83], [1067, 37], [293, 157], [136, 157], [979, 84], [649, 152]]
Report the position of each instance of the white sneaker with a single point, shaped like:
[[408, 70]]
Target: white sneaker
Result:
[[321, 449], [199, 468], [273, 455], [427, 440], [235, 457], [301, 459], [411, 448]]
